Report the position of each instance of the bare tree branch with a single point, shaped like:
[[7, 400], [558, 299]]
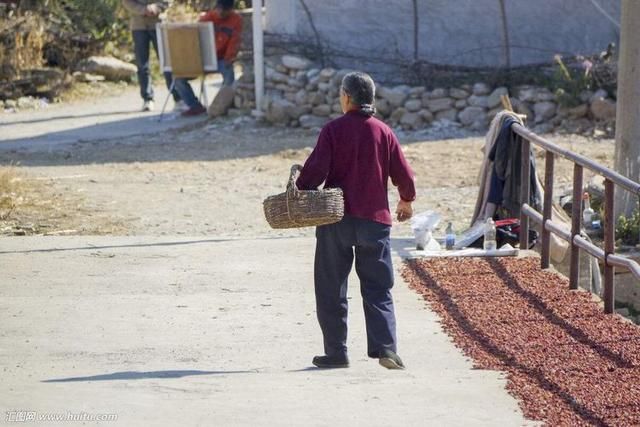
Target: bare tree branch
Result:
[[505, 35], [315, 31], [416, 28]]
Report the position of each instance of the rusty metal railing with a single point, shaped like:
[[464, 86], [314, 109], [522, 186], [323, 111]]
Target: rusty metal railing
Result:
[[612, 178]]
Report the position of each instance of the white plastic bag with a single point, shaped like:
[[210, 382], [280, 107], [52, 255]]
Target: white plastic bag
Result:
[[422, 226]]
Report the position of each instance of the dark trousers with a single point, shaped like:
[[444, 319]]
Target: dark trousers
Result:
[[186, 92], [142, 39], [336, 246]]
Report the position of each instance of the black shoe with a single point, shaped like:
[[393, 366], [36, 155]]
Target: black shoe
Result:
[[331, 362], [390, 360]]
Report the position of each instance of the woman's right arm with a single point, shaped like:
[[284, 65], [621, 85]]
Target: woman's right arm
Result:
[[317, 167]]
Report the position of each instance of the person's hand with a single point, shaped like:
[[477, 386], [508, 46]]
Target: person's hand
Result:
[[152, 10], [404, 211]]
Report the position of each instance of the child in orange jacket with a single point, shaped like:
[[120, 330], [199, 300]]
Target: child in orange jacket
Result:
[[227, 25]]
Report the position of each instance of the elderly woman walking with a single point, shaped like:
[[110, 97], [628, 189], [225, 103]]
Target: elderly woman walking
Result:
[[358, 153]]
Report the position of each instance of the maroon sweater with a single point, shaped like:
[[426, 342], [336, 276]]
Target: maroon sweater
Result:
[[359, 154]]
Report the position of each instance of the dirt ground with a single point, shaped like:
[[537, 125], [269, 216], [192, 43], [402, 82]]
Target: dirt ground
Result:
[[211, 178]]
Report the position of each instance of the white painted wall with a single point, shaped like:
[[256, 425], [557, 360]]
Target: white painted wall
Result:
[[454, 32]]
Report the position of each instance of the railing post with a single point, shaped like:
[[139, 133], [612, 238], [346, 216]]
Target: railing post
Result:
[[547, 208], [609, 245], [576, 216], [524, 194]]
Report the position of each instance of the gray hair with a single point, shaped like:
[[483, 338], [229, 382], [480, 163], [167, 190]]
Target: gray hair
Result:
[[362, 91]]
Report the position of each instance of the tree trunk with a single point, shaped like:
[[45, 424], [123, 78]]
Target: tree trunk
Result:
[[627, 151]]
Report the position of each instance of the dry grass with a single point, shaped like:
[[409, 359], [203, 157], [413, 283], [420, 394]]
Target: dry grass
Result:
[[22, 42], [10, 189], [80, 91], [32, 206]]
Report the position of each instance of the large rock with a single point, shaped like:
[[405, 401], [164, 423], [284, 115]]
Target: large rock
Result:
[[323, 110], [545, 94], [579, 111], [27, 103], [37, 82], [290, 96], [544, 110], [413, 105], [438, 93], [543, 128], [275, 76], [294, 83], [301, 97], [417, 92], [470, 115], [383, 107], [460, 103], [309, 121], [524, 108], [295, 62], [301, 111], [599, 94], [449, 115], [478, 101], [316, 98], [280, 111], [336, 80], [395, 96], [603, 109], [481, 89], [527, 94], [301, 76], [494, 99], [87, 77], [458, 93], [326, 74], [313, 73], [411, 120], [222, 102], [324, 86], [438, 104], [111, 68], [426, 115], [397, 114]]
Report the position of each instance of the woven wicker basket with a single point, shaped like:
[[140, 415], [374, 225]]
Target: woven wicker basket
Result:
[[300, 208]]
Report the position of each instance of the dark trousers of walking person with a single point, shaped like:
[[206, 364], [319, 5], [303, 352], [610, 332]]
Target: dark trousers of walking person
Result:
[[336, 247], [142, 39]]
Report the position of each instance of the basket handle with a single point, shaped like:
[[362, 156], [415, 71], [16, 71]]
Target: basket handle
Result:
[[292, 188]]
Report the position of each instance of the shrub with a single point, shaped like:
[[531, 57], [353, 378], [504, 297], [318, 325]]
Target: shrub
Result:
[[628, 229]]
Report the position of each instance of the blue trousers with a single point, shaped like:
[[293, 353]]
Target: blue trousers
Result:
[[185, 91], [142, 39], [336, 245]]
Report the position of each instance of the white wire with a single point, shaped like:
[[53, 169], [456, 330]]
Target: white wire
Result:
[[604, 12]]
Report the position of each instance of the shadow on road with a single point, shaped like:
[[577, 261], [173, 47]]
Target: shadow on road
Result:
[[142, 375], [100, 130], [69, 117], [139, 245]]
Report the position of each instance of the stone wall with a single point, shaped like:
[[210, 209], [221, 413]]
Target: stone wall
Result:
[[299, 94]]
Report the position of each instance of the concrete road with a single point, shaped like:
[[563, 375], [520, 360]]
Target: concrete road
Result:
[[109, 117], [190, 332]]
